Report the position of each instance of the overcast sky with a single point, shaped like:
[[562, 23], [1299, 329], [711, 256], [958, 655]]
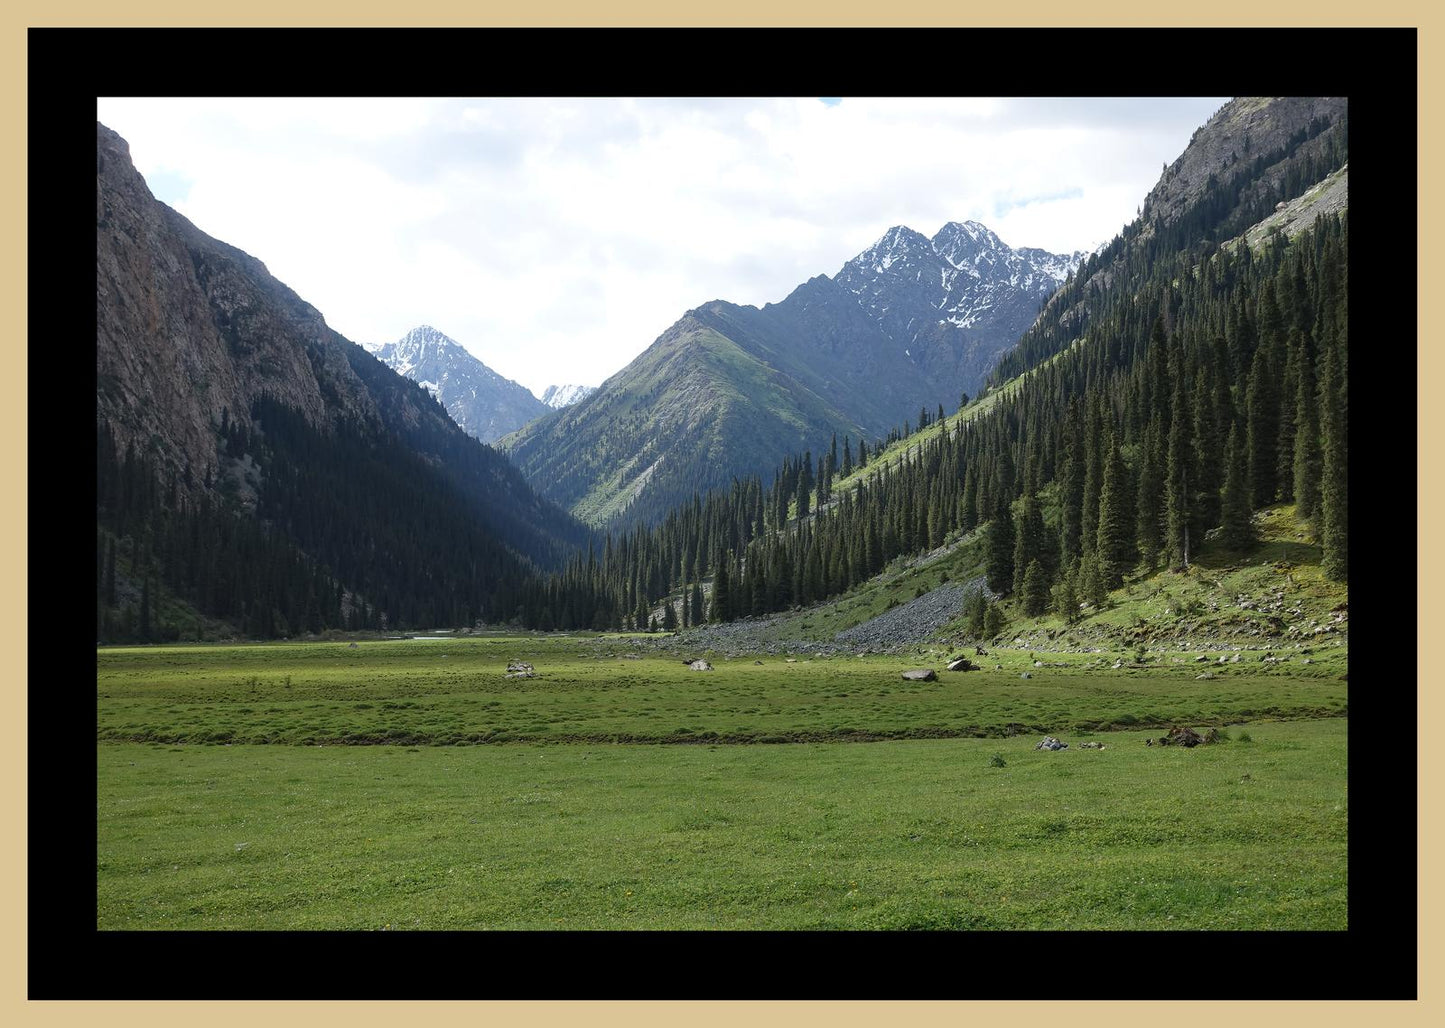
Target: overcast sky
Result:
[[556, 239]]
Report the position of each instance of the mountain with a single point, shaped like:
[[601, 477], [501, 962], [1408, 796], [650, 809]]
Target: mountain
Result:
[[956, 301], [559, 396], [906, 326], [255, 467], [695, 409], [482, 402], [1177, 430], [1252, 156]]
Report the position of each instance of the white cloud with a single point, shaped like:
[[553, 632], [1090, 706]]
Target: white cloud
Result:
[[558, 238]]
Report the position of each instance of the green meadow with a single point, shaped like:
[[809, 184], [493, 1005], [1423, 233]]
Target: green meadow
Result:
[[412, 785]]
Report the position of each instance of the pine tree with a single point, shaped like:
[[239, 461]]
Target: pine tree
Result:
[[1150, 499], [697, 612], [994, 621], [1307, 455], [1178, 505], [999, 548], [1071, 487], [1065, 594], [977, 607], [1208, 456], [1334, 486], [721, 591], [1030, 542], [1262, 441], [1115, 549], [1236, 532], [1093, 476], [1035, 590]]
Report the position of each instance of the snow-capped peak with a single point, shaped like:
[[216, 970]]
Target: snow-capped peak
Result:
[[558, 396]]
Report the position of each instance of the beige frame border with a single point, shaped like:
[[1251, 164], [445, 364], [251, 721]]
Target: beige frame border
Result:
[[14, 441]]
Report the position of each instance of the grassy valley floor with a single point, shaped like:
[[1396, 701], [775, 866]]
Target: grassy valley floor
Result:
[[955, 822]]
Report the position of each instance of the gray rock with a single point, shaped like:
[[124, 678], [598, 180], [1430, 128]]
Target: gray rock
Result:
[[700, 665], [1050, 743], [1026, 675], [925, 674], [519, 667]]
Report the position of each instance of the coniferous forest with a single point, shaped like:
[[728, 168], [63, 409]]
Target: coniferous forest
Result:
[[1214, 389]]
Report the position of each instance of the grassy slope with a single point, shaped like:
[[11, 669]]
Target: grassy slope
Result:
[[691, 412]]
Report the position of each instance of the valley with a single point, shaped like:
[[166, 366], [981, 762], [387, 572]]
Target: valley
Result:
[[619, 789], [385, 642]]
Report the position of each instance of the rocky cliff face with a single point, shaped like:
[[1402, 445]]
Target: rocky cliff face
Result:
[[955, 302], [1240, 132], [192, 333], [189, 329]]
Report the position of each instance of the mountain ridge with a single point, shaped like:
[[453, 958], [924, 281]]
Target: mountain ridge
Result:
[[862, 351], [483, 402]]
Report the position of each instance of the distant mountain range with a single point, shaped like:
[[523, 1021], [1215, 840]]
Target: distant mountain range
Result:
[[482, 402], [911, 323]]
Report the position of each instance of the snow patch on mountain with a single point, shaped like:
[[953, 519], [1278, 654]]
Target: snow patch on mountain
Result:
[[559, 396], [482, 402]]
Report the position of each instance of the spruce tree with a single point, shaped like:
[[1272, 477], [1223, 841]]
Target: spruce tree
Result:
[[1150, 499], [1262, 442], [994, 621], [1178, 505], [1065, 594], [999, 548], [1236, 532], [1115, 549], [1093, 476], [1030, 542], [1334, 487], [1035, 590], [1308, 460], [1208, 456], [721, 591], [977, 607], [1071, 486]]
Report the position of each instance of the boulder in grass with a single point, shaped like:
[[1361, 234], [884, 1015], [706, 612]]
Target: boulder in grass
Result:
[[923, 674], [963, 664], [518, 667], [700, 665], [1186, 737], [1050, 743]]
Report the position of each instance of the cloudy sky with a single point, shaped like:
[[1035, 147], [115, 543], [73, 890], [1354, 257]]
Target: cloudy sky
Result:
[[556, 239]]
